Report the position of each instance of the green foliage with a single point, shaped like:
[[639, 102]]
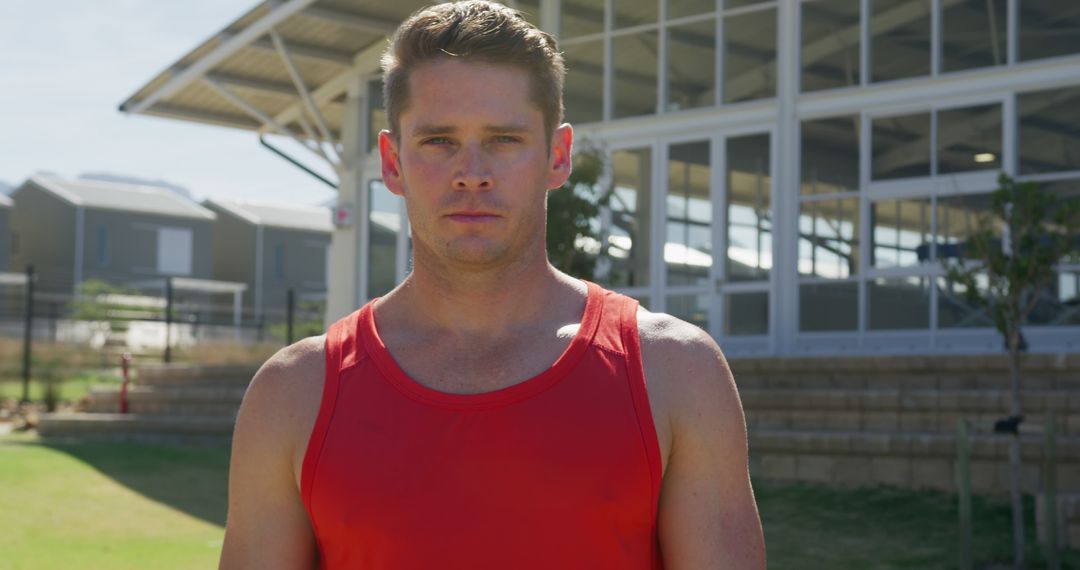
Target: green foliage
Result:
[[1018, 264], [91, 305], [571, 208]]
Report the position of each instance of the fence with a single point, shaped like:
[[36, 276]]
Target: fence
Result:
[[93, 328]]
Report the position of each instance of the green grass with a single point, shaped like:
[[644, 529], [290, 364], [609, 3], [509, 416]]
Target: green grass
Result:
[[109, 505], [72, 389], [121, 505], [885, 528]]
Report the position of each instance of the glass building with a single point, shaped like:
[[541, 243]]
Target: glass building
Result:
[[787, 174]]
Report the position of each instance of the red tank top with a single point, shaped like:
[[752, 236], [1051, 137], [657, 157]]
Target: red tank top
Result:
[[559, 471]]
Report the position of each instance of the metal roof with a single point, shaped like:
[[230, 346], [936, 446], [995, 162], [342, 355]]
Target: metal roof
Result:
[[288, 216], [257, 72], [123, 197]]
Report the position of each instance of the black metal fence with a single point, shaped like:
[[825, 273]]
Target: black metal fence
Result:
[[152, 323]]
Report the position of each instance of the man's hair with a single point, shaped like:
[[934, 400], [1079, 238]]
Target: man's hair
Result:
[[474, 30]]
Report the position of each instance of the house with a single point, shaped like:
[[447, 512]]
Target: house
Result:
[[272, 248], [76, 230]]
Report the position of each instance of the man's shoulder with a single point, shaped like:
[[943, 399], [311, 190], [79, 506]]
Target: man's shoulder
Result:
[[674, 338], [683, 364], [283, 397]]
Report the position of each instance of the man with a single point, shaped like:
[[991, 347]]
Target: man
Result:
[[489, 412]]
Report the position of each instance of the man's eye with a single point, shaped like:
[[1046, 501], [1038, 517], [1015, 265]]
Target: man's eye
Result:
[[507, 139], [436, 141]]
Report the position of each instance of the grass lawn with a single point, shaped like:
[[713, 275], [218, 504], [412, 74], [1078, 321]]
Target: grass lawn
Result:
[[126, 506], [72, 389], [114, 506]]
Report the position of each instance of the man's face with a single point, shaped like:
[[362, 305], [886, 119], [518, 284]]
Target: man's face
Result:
[[473, 163]]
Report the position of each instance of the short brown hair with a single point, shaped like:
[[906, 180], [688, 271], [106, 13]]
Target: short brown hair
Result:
[[476, 30]]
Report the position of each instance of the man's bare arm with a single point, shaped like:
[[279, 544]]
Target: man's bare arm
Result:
[[267, 525], [708, 516]]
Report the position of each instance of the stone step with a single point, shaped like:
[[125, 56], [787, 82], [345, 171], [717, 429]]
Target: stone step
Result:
[[196, 375], [904, 459], [890, 379], [136, 427], [212, 374], [890, 410], [187, 400]]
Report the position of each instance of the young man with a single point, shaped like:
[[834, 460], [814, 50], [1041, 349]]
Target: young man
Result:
[[490, 412]]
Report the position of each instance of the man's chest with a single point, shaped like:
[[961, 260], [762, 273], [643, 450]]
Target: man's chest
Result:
[[464, 367]]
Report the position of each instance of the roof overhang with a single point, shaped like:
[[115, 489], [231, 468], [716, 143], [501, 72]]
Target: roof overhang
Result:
[[282, 68]]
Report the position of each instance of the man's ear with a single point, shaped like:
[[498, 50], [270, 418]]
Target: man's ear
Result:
[[561, 156], [391, 163]]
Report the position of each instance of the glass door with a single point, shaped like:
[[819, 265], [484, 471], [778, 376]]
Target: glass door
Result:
[[717, 249]]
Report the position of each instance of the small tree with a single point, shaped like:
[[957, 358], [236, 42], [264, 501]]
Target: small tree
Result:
[[1037, 231], [571, 209]]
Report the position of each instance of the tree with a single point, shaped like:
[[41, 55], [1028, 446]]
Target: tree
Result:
[[571, 210], [1016, 263]]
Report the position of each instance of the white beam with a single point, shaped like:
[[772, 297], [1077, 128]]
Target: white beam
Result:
[[365, 62], [305, 95], [267, 120], [183, 78]]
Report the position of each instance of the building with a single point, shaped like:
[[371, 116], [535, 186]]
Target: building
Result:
[[272, 249], [72, 231], [806, 162]]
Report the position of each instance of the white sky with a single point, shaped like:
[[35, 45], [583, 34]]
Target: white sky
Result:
[[66, 65]]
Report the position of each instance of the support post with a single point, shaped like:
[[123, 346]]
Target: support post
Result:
[[290, 304], [168, 319], [1050, 493], [963, 486], [28, 332]]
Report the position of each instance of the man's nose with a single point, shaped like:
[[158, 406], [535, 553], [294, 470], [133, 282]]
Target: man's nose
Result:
[[474, 169]]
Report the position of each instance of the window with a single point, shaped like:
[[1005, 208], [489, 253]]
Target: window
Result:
[[174, 251], [749, 189], [1048, 28], [830, 155], [969, 139], [688, 248], [974, 34], [750, 55], [583, 91], [828, 238], [384, 224], [691, 65], [1049, 130], [635, 73], [900, 233], [830, 44], [899, 39], [828, 307], [901, 146], [899, 303], [631, 212]]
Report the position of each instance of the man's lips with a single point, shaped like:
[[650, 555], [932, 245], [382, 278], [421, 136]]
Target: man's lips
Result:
[[472, 217]]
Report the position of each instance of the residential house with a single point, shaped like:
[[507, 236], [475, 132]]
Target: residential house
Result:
[[76, 230], [271, 248]]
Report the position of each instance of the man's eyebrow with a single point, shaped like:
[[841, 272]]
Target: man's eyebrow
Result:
[[430, 130]]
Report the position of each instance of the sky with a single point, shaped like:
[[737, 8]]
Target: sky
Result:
[[65, 67]]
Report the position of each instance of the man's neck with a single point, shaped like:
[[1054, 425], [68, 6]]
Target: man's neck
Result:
[[489, 303]]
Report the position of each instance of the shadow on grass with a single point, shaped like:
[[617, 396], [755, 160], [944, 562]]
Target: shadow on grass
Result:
[[886, 528], [190, 479]]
